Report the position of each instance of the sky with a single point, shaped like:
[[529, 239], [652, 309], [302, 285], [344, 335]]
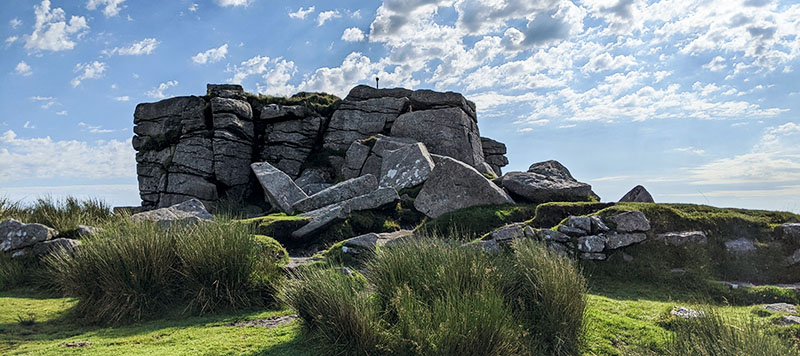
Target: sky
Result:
[[696, 100]]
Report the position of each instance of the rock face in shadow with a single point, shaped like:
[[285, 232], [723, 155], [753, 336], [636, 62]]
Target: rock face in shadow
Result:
[[194, 147], [638, 194]]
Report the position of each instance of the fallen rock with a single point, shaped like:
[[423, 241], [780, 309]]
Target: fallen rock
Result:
[[279, 188], [191, 211], [788, 320], [630, 221], [551, 235], [686, 313], [546, 181], [312, 178], [598, 226], [366, 242], [615, 241], [354, 159], [781, 308], [592, 243], [321, 217], [740, 246], [637, 194], [381, 146], [54, 246], [336, 193], [580, 222], [682, 238], [571, 231], [454, 185], [406, 167], [15, 235], [508, 232]]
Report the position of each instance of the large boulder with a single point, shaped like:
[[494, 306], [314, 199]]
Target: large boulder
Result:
[[546, 181], [279, 188], [324, 216], [188, 212], [16, 235], [313, 180], [454, 185], [448, 132], [637, 194], [424, 99], [406, 167], [366, 156], [289, 143], [339, 192], [355, 120], [630, 221]]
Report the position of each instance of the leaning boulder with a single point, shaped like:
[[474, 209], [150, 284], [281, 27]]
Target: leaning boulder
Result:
[[454, 185], [637, 194], [546, 181], [191, 211], [336, 193], [322, 217], [280, 189], [406, 167], [16, 235]]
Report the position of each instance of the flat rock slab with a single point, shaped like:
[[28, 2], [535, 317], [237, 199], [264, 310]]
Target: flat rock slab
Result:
[[682, 238], [191, 211], [322, 217], [348, 189], [781, 308], [264, 323], [615, 241], [16, 235], [406, 167], [454, 185], [740, 246], [362, 242], [280, 189], [630, 221], [541, 188], [508, 232]]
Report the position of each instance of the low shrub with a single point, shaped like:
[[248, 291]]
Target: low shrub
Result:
[[12, 272], [714, 335], [133, 270], [272, 250], [429, 297]]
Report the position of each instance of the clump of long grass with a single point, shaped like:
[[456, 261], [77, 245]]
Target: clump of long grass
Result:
[[717, 336], [135, 269], [12, 272], [61, 214], [429, 297]]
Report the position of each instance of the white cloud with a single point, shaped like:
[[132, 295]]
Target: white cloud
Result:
[[11, 39], [14, 23], [212, 55], [94, 129], [301, 13], [145, 46], [93, 70], [23, 69], [774, 159], [252, 66], [112, 7], [27, 125], [52, 32], [277, 78], [158, 92], [690, 149], [62, 113], [193, 7], [122, 98], [717, 64], [43, 157], [606, 62], [226, 3], [324, 16], [353, 34]]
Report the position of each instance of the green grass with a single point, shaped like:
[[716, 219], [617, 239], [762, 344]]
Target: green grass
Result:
[[322, 103], [172, 334], [473, 222], [63, 215]]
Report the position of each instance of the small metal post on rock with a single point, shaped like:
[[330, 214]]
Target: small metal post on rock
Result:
[[376, 82]]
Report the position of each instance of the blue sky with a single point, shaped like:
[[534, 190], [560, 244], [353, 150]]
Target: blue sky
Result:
[[696, 100]]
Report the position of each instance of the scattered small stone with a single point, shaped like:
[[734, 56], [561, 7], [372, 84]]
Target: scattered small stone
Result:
[[626, 257], [264, 323], [686, 313], [781, 308], [85, 230], [677, 271], [788, 320], [76, 344]]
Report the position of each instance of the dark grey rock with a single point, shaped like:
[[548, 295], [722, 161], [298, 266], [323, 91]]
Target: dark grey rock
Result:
[[788, 231], [154, 119], [682, 238], [355, 120], [279, 188], [571, 231], [16, 235], [630, 221], [551, 235], [406, 167], [424, 99], [59, 245], [239, 108], [592, 243], [364, 92], [85, 230], [454, 185], [225, 90], [637, 194], [190, 186], [339, 192], [188, 212], [598, 226], [580, 222], [288, 144], [507, 233], [740, 246], [312, 179], [382, 145], [793, 259], [354, 159], [448, 132], [193, 155], [492, 147], [365, 242], [615, 241], [322, 217], [788, 320], [546, 181], [275, 112]]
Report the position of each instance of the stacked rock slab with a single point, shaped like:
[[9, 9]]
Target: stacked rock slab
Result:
[[201, 147], [546, 181], [494, 153]]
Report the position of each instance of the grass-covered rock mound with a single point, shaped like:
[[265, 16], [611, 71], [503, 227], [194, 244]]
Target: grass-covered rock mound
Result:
[[435, 298]]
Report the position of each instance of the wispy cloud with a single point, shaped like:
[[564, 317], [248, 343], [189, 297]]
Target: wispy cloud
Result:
[[212, 55], [301, 13], [158, 92]]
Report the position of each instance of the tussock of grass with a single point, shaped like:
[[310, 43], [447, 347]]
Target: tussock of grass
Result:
[[473, 222], [715, 335], [63, 215], [429, 297], [13, 272], [134, 270]]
